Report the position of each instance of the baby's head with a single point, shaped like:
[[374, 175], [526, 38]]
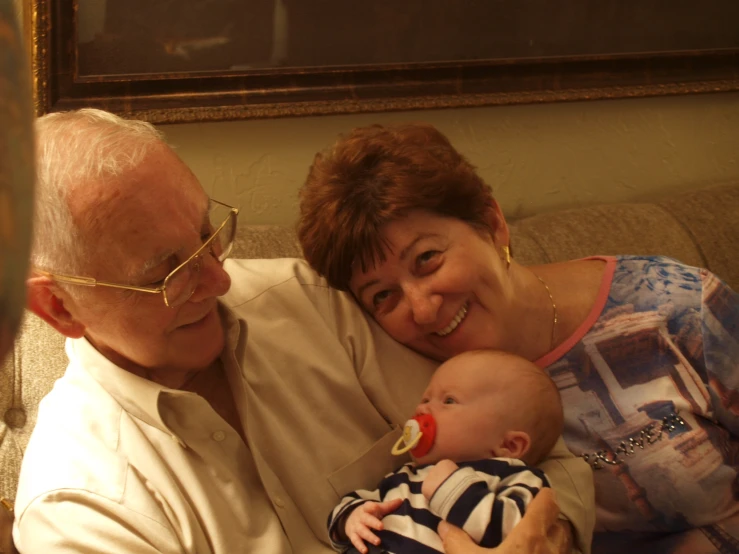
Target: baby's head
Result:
[[491, 404]]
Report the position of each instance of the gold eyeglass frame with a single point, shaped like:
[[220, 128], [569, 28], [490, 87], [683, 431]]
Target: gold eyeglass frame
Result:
[[91, 282]]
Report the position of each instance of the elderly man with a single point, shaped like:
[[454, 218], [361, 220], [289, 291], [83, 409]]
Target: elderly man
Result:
[[184, 423]]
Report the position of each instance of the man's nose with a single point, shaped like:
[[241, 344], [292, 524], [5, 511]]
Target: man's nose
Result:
[[424, 304], [213, 280]]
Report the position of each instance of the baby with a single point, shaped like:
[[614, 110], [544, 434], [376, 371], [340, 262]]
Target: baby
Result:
[[485, 419]]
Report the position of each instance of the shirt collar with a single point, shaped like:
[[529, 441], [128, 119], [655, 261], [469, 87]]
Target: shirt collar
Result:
[[138, 396]]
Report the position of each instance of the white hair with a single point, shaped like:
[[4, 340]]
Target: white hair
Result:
[[85, 146]]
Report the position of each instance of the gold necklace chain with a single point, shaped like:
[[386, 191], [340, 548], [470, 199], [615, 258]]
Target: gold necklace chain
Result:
[[554, 310]]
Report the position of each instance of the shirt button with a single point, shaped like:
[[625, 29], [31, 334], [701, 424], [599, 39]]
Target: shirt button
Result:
[[279, 502], [218, 436]]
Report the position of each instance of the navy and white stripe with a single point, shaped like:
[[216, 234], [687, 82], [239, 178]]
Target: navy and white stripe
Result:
[[486, 498]]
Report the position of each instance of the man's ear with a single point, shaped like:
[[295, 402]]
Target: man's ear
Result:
[[46, 300], [515, 444], [497, 224]]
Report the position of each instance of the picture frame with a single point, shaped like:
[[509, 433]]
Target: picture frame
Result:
[[72, 70]]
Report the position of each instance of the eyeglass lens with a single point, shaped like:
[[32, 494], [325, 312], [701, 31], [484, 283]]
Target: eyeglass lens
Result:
[[181, 284]]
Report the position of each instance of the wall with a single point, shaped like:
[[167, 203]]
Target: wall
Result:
[[536, 157]]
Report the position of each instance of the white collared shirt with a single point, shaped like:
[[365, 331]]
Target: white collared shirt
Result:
[[118, 463]]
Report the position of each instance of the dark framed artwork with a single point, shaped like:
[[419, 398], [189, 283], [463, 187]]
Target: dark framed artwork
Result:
[[172, 61]]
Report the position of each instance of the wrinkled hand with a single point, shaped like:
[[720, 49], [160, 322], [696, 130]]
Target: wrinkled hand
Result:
[[366, 517], [436, 476], [539, 532]]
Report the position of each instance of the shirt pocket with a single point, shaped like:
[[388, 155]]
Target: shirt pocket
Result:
[[367, 470]]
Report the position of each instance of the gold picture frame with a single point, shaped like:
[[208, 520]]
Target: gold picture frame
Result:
[[522, 75]]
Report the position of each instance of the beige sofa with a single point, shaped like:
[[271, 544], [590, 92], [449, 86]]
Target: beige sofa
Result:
[[698, 228]]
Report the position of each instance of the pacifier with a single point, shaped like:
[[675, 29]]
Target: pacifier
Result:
[[419, 433]]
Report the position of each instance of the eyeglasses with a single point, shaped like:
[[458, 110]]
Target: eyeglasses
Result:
[[180, 284]]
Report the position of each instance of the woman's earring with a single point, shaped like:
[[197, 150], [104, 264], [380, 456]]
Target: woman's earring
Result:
[[507, 256]]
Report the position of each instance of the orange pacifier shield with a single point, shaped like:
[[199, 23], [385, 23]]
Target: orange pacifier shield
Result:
[[418, 436]]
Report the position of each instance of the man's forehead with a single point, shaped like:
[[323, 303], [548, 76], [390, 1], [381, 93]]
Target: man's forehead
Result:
[[160, 181], [143, 237], [173, 235]]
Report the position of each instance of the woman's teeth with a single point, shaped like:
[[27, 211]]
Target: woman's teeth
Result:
[[455, 322]]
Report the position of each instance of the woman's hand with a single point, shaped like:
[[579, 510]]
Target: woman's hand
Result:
[[539, 532]]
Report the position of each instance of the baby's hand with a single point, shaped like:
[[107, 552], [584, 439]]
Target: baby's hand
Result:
[[365, 517], [436, 476]]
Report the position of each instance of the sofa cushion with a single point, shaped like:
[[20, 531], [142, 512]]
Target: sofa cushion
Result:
[[27, 375], [712, 223], [615, 229]]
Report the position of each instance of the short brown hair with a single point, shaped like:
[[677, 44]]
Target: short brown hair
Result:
[[375, 175], [542, 417]]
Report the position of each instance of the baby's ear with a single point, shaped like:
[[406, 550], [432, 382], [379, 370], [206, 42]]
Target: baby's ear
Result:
[[515, 444]]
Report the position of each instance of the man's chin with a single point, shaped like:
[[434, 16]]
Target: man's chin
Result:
[[206, 348], [203, 357]]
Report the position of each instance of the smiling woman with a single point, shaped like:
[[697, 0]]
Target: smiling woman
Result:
[[397, 216]]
